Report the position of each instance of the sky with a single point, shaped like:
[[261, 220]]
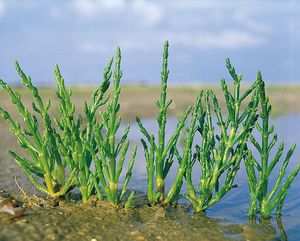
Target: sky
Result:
[[82, 35]]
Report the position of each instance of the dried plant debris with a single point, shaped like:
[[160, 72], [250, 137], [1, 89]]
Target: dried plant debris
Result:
[[9, 209]]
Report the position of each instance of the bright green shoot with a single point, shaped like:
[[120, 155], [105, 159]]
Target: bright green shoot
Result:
[[55, 155], [43, 147], [263, 198], [159, 155], [74, 135], [187, 155], [109, 155], [221, 153]]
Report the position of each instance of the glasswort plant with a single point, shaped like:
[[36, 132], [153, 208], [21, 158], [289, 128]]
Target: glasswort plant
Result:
[[42, 146], [263, 198], [84, 151], [52, 152], [74, 136], [221, 154], [159, 156], [109, 156], [186, 157]]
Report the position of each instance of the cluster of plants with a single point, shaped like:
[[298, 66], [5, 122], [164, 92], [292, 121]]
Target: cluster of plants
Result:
[[82, 151]]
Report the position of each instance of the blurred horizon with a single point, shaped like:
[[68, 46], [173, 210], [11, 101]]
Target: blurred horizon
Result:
[[82, 35]]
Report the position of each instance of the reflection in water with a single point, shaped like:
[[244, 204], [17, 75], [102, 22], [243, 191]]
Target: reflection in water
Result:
[[278, 225], [283, 235]]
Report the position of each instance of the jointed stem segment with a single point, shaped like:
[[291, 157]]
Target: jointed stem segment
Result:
[[159, 157], [220, 153], [263, 198], [111, 155]]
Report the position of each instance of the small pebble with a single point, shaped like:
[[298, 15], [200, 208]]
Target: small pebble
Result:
[[136, 232], [140, 238]]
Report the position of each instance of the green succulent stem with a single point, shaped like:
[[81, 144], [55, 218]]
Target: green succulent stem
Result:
[[220, 154], [108, 155], [263, 197], [187, 153], [54, 154], [159, 156]]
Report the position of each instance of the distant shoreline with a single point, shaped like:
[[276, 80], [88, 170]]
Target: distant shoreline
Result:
[[139, 100]]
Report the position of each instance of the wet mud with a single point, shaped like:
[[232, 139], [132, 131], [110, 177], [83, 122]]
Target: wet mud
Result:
[[71, 220]]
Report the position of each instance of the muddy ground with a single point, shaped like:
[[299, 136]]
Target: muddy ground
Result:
[[70, 220]]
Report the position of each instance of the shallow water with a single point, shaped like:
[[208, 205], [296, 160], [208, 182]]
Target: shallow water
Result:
[[226, 220]]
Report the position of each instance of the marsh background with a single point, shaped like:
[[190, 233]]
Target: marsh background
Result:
[[81, 35]]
